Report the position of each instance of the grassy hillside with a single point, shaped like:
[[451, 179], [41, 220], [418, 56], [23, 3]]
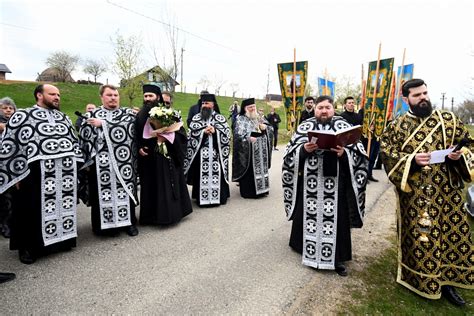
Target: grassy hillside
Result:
[[74, 97]]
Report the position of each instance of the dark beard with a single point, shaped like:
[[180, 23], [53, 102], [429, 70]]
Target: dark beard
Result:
[[50, 105], [324, 121], [206, 113], [422, 109], [151, 104]]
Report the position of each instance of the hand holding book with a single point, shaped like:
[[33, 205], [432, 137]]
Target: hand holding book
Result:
[[327, 139]]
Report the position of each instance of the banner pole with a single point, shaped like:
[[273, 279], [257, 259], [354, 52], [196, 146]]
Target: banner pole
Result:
[[294, 89], [371, 113], [390, 94]]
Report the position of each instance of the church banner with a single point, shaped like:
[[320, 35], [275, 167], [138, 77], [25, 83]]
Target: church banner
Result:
[[377, 117], [326, 87], [285, 75], [407, 75]]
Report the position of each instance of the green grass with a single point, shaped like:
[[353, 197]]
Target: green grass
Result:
[[74, 97], [381, 294]]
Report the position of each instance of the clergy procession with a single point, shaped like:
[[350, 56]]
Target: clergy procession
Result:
[[146, 169]]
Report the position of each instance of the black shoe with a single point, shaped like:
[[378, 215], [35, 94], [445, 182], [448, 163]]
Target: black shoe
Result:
[[6, 231], [276, 149], [132, 230], [341, 269], [452, 296], [26, 256], [371, 178], [5, 277]]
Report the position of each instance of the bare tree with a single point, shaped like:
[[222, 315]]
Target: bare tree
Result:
[[170, 70], [345, 87], [235, 88], [465, 111], [127, 63], [204, 82], [94, 68], [64, 62], [218, 83]]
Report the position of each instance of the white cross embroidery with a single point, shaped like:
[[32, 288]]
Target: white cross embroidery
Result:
[[328, 206], [127, 171], [67, 204], [118, 134], [64, 144], [311, 227], [104, 177], [122, 213], [287, 177], [48, 128], [287, 194], [6, 148], [51, 228], [326, 252], [312, 183], [310, 249], [360, 179], [123, 153], [19, 165], [49, 163], [103, 158], [25, 134], [50, 207], [106, 196], [108, 214], [121, 194], [67, 224], [67, 183], [52, 146], [327, 229], [329, 184], [313, 160], [60, 128], [67, 162], [49, 186], [311, 205]]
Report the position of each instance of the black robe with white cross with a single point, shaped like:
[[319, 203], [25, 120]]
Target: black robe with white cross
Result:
[[324, 196], [40, 154], [207, 160], [110, 156]]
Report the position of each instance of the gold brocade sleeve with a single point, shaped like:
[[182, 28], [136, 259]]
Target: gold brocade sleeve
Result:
[[396, 162]]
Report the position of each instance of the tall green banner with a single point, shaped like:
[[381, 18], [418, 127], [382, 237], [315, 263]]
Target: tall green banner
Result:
[[285, 74], [377, 116]]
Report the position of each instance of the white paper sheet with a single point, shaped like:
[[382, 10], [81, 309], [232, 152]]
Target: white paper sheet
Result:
[[438, 156]]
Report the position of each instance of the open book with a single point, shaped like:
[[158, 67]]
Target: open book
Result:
[[330, 139]]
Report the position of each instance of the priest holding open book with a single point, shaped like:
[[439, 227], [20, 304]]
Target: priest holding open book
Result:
[[324, 187]]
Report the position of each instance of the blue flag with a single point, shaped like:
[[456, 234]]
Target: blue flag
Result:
[[326, 87], [407, 75]]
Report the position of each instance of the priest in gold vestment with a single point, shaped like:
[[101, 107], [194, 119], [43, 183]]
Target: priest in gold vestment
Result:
[[435, 250]]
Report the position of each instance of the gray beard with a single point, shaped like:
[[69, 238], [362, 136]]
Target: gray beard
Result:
[[251, 115]]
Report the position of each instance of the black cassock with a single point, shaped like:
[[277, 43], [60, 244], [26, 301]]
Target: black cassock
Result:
[[164, 196]]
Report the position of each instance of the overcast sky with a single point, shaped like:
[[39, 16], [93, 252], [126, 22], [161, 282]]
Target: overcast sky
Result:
[[240, 41]]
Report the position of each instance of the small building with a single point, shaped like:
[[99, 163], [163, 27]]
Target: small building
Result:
[[273, 97], [161, 77], [53, 75], [3, 70]]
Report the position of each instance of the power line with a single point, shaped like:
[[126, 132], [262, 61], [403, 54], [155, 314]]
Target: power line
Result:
[[37, 30], [169, 25]]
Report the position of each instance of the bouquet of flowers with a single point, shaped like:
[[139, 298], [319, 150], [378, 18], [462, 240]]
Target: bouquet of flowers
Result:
[[162, 124]]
